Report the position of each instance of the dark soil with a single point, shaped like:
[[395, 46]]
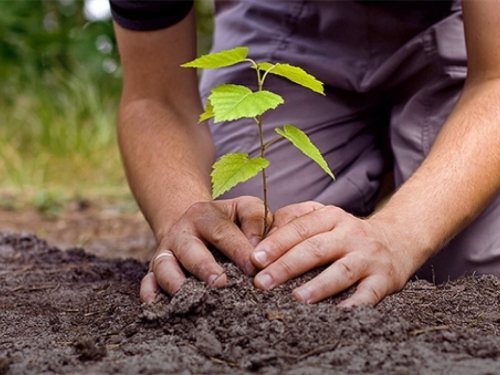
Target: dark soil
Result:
[[71, 312]]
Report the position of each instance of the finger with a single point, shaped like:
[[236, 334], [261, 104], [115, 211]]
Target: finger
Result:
[[149, 288], [216, 227], [250, 214], [339, 276], [194, 256], [298, 230], [369, 292], [167, 272], [316, 251], [286, 214]]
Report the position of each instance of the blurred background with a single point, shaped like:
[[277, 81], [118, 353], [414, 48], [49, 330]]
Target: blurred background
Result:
[[60, 82]]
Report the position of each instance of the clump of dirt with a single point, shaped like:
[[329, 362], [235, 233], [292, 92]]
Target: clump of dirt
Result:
[[72, 312]]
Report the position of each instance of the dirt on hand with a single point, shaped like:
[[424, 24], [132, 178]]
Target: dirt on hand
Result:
[[71, 312]]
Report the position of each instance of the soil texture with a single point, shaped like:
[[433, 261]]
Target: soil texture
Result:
[[72, 312]]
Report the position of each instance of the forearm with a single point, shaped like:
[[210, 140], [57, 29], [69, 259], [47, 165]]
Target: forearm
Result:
[[167, 162], [455, 182], [166, 153]]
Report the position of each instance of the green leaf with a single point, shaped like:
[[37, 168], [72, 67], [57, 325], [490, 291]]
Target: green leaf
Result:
[[294, 74], [231, 169], [300, 140], [219, 59], [209, 112], [231, 102]]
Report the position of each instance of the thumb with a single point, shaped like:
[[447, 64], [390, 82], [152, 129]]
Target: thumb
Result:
[[250, 213]]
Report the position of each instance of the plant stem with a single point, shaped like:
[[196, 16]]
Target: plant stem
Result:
[[263, 146], [272, 141]]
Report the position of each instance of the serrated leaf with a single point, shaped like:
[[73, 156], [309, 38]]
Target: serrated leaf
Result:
[[231, 102], [219, 59], [209, 112], [232, 169], [294, 74], [300, 140]]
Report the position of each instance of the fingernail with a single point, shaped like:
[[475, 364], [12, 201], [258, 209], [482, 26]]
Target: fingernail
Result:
[[254, 241], [273, 229], [261, 257], [345, 304], [149, 298], [265, 280], [302, 295], [212, 279], [249, 268]]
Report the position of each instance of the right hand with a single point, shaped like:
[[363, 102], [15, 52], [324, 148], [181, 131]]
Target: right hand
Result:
[[233, 226], [356, 250]]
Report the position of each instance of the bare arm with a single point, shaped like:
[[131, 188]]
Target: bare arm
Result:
[[167, 154], [453, 185], [460, 175], [168, 158]]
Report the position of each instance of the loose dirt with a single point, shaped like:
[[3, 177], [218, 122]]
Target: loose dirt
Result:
[[73, 312]]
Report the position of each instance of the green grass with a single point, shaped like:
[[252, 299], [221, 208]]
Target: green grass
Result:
[[58, 136]]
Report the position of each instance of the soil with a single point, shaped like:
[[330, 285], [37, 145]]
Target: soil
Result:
[[108, 229], [76, 312]]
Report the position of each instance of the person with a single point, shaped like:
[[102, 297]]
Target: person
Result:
[[425, 73]]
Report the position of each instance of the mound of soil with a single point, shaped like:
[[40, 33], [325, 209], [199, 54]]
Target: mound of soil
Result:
[[70, 312]]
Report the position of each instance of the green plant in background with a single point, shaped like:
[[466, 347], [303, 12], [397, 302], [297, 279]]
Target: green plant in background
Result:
[[60, 86], [229, 102]]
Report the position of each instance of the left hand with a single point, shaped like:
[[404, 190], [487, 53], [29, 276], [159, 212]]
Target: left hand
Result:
[[231, 225], [307, 235]]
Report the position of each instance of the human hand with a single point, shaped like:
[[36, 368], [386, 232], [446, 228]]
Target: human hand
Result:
[[233, 226], [308, 235]]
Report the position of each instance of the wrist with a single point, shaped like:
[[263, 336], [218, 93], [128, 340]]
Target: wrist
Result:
[[166, 218], [410, 244]]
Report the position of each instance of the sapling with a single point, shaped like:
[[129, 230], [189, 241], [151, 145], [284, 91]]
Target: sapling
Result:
[[229, 102]]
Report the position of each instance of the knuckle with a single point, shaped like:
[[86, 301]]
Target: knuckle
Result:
[[179, 234], [219, 231], [354, 230], [374, 294], [197, 268], [333, 211], [348, 272], [315, 248], [180, 240], [396, 281], [314, 205], [286, 268], [250, 200], [281, 212], [300, 228]]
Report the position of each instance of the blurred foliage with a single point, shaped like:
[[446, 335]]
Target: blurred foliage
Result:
[[40, 37], [60, 82], [59, 94], [204, 22]]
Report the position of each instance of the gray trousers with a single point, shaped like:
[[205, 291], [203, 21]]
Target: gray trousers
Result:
[[393, 71]]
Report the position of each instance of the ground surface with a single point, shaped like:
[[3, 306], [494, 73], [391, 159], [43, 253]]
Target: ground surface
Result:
[[106, 229], [72, 312]]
